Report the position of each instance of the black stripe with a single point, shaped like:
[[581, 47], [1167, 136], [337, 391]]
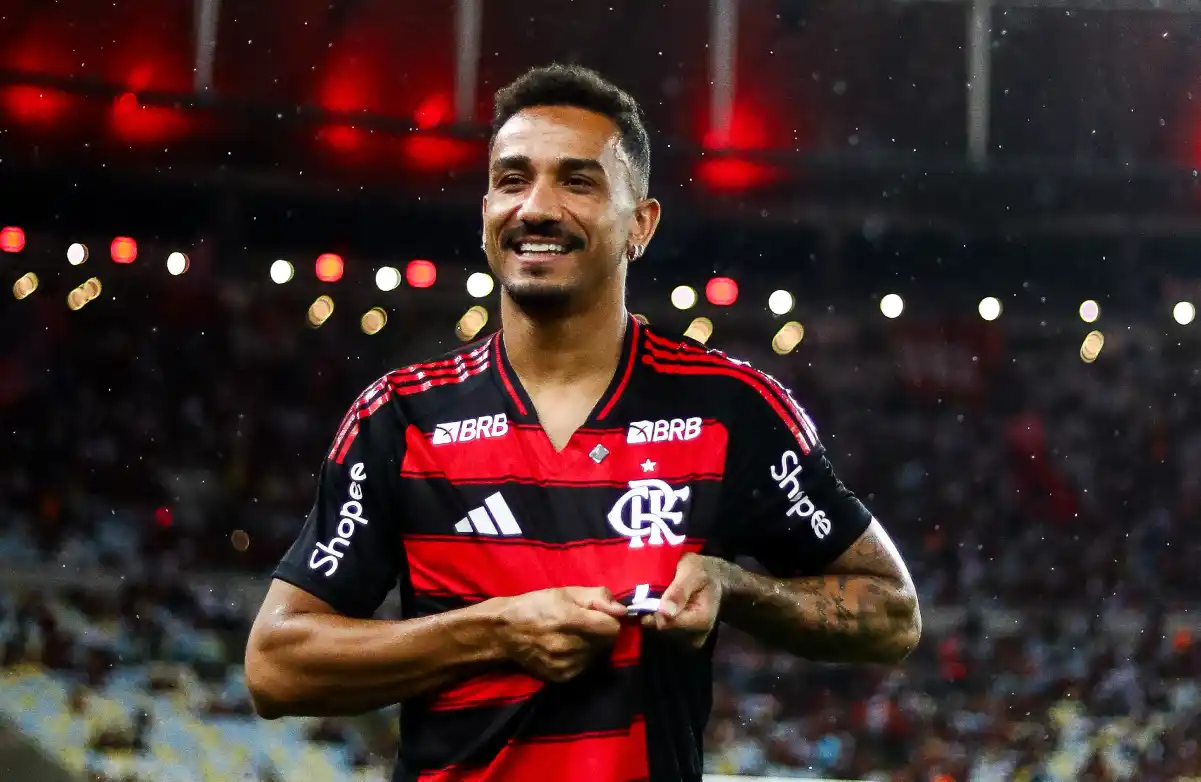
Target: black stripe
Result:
[[541, 510], [426, 603], [566, 483], [599, 701]]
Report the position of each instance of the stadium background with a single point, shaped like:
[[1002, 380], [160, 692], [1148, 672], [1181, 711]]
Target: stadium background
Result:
[[222, 219]]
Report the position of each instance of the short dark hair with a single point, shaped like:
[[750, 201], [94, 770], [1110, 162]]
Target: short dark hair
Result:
[[582, 88]]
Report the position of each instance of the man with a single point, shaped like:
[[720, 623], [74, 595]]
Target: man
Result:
[[560, 503]]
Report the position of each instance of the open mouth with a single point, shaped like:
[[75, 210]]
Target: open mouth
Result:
[[542, 250]]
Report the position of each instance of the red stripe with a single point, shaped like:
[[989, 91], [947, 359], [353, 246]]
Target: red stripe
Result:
[[424, 376], [524, 455], [504, 378], [371, 400], [598, 757], [497, 689], [513, 566], [416, 381], [440, 378], [703, 364], [625, 378], [472, 355], [796, 419], [493, 689]]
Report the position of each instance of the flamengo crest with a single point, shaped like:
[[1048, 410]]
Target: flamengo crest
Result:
[[646, 513]]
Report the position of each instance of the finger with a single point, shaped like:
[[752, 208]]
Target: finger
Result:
[[689, 579], [594, 623], [597, 599]]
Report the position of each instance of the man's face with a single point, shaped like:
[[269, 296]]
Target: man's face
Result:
[[560, 210]]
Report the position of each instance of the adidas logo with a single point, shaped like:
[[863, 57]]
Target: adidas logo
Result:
[[494, 518]]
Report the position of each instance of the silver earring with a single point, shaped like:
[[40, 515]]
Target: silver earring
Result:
[[635, 252], [484, 243]]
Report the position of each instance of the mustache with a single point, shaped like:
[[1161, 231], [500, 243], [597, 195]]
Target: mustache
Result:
[[551, 233]]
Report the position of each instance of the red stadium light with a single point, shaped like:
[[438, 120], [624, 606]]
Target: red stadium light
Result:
[[12, 239], [432, 112], [421, 274], [330, 267], [721, 291], [123, 250]]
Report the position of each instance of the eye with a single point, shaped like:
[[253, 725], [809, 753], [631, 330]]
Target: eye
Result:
[[509, 181], [576, 180]]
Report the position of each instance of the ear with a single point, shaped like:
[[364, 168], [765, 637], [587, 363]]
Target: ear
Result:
[[646, 221]]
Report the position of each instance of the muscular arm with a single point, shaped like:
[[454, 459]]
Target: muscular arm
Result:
[[862, 609], [303, 658]]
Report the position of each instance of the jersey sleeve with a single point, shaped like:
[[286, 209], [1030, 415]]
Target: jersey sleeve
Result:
[[348, 552], [782, 504]]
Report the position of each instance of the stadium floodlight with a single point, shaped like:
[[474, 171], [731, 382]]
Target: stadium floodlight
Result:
[[1090, 311], [892, 305], [281, 272], [1184, 312], [480, 285], [12, 239], [177, 263], [387, 278], [1091, 347], [472, 322], [421, 274], [721, 291], [25, 285], [990, 308], [77, 253], [780, 302], [373, 320], [329, 267], [701, 329], [320, 310], [787, 338], [123, 249], [683, 297]]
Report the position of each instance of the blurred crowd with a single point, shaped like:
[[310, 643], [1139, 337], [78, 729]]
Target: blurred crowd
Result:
[[1013, 475]]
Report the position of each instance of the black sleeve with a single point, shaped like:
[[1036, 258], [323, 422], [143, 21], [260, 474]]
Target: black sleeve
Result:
[[782, 504], [348, 552]]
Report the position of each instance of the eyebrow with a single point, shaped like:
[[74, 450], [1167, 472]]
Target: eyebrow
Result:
[[568, 163]]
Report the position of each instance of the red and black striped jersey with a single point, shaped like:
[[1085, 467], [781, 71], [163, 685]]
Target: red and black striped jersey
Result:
[[440, 481]]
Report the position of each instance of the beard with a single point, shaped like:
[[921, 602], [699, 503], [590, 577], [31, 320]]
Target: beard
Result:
[[542, 301]]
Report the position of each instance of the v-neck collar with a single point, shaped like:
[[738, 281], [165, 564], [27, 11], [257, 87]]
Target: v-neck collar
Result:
[[522, 408]]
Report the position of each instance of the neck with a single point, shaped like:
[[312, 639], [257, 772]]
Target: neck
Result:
[[564, 348]]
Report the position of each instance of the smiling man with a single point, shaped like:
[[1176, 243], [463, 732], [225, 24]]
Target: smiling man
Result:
[[560, 504]]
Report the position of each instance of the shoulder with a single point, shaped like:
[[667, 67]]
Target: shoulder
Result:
[[398, 398], [745, 392]]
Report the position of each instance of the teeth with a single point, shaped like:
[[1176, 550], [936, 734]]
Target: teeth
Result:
[[530, 247]]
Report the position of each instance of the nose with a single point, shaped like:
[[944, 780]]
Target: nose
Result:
[[541, 204]]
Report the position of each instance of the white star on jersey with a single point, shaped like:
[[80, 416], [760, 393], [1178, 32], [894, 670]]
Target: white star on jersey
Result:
[[648, 466]]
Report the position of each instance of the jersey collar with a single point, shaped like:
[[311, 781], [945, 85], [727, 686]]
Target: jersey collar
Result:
[[522, 408]]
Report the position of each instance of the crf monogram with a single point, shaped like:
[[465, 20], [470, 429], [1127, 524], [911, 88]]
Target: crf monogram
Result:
[[643, 513]]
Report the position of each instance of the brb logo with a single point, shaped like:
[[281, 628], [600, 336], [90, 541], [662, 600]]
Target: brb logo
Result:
[[646, 513], [471, 429], [663, 430], [788, 477], [350, 517]]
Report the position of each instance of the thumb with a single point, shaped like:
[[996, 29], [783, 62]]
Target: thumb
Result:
[[689, 580], [597, 599]]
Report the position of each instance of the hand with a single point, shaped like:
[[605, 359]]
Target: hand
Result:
[[690, 604], [554, 633]]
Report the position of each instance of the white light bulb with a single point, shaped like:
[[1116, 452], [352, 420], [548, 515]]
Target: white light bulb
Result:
[[387, 278], [780, 302], [683, 297], [892, 305], [480, 285], [281, 272]]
